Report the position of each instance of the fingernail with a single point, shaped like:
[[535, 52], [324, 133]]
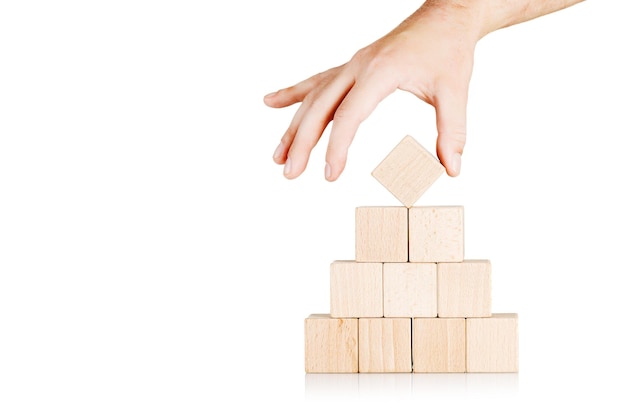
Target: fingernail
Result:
[[456, 164], [327, 171], [287, 167], [279, 151], [270, 95]]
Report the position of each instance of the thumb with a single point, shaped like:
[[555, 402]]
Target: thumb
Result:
[[451, 109]]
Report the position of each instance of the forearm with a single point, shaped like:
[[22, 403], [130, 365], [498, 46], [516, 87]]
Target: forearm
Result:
[[481, 17], [504, 13]]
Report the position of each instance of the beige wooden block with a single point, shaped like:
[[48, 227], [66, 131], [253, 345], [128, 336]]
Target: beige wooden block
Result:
[[331, 345], [492, 343], [438, 345], [385, 345], [382, 234], [436, 234], [410, 289], [408, 171], [356, 289], [464, 289]]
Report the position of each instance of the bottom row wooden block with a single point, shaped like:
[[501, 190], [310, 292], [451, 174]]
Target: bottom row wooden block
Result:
[[423, 345]]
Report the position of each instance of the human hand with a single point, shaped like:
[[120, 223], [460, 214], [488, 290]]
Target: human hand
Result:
[[430, 55]]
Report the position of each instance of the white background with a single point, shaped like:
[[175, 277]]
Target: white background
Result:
[[154, 261]]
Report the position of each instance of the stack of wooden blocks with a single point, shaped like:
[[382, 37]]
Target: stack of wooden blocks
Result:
[[410, 301]]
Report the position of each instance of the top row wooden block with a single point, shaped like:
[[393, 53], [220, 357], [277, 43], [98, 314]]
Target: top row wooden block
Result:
[[416, 234], [408, 171]]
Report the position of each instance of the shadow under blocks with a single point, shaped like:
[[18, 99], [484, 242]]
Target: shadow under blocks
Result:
[[410, 302]]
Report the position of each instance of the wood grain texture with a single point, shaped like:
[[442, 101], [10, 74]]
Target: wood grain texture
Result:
[[436, 234], [385, 345], [356, 289], [464, 289], [492, 343], [382, 234], [408, 171], [410, 289], [438, 345], [331, 345]]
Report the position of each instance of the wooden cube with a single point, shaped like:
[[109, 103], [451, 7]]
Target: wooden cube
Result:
[[385, 345], [408, 171], [464, 289], [410, 289], [438, 345], [331, 345], [436, 234], [356, 289], [492, 343], [382, 234]]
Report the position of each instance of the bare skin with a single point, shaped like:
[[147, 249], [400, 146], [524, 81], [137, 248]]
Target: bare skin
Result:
[[430, 55]]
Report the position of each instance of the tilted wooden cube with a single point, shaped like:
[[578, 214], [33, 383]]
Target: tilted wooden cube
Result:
[[436, 234], [331, 345], [356, 289], [492, 343], [382, 234], [410, 289], [408, 171], [464, 289], [438, 345], [385, 345]]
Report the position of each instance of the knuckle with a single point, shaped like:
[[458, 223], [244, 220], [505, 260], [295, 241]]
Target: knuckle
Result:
[[316, 106], [456, 137]]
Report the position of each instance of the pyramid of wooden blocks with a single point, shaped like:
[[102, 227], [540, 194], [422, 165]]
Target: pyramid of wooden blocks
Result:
[[410, 301]]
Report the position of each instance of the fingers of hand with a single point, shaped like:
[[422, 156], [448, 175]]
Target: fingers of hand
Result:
[[314, 116], [286, 97], [358, 104], [280, 154], [296, 93], [451, 108]]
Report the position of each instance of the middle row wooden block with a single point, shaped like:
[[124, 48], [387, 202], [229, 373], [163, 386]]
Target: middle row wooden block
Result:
[[416, 234], [375, 289]]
